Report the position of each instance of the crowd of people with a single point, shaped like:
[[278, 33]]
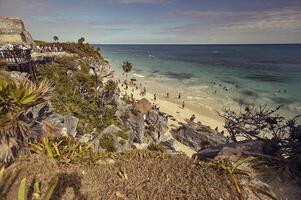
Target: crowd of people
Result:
[[44, 49], [9, 46], [40, 49]]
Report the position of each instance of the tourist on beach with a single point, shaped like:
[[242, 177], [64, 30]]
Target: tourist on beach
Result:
[[154, 106], [192, 118], [167, 94], [183, 104], [179, 96], [155, 97]]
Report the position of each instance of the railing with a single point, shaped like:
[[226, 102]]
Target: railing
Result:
[[19, 60], [17, 56]]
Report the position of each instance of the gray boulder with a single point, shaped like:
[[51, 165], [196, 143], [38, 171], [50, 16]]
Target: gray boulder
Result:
[[157, 125], [132, 120], [198, 136], [111, 139], [70, 122], [65, 125], [169, 146], [233, 150]]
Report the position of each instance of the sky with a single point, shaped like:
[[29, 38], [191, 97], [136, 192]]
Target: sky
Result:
[[160, 21]]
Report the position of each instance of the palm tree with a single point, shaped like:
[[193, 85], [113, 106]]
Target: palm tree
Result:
[[55, 38], [16, 97], [127, 66]]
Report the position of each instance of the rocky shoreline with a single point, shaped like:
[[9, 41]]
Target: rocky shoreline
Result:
[[93, 110]]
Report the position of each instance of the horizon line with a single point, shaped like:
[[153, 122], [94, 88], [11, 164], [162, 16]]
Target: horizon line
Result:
[[196, 43]]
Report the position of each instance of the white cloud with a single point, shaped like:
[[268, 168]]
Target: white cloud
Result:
[[288, 19]]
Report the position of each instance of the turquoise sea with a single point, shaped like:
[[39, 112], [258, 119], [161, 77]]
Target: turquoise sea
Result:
[[217, 76]]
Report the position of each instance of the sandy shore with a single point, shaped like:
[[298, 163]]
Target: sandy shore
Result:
[[173, 107]]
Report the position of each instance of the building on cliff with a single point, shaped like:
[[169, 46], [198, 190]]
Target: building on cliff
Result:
[[12, 30]]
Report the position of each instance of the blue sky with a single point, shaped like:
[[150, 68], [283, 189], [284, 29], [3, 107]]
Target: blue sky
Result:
[[160, 21]]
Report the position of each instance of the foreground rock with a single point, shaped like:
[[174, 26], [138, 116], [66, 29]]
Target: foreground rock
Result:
[[198, 136], [44, 119], [233, 150]]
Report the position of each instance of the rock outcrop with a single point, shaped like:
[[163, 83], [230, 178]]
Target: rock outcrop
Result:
[[43, 113], [198, 136], [111, 138], [12, 30], [233, 150], [143, 106]]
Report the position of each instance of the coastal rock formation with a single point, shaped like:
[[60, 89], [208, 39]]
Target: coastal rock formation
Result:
[[198, 136], [234, 150], [12, 30], [143, 106], [157, 125]]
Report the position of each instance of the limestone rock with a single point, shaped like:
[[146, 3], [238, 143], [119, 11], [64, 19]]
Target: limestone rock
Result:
[[198, 136], [70, 122], [169, 146], [143, 106], [64, 125], [233, 150]]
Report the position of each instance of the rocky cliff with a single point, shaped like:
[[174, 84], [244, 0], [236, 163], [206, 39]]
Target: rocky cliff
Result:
[[13, 30]]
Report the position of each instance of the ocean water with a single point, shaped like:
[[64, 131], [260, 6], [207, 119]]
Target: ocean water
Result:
[[217, 76]]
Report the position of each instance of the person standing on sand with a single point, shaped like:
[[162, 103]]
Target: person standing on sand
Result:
[[144, 91], [167, 94], [183, 105], [155, 97], [179, 96], [192, 118]]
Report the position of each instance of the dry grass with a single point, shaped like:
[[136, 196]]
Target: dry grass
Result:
[[149, 175]]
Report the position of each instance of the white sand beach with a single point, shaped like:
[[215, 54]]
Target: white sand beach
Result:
[[173, 106]]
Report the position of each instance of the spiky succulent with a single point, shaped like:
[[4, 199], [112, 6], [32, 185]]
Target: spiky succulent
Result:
[[16, 97]]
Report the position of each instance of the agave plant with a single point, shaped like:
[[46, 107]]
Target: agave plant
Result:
[[16, 97], [37, 195]]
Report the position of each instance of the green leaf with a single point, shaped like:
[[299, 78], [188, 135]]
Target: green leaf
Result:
[[48, 148], [240, 162], [53, 184], [36, 193], [22, 190], [1, 174]]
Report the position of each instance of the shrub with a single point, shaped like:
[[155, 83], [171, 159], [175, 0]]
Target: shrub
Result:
[[282, 137], [67, 97], [156, 147], [16, 97], [107, 142]]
